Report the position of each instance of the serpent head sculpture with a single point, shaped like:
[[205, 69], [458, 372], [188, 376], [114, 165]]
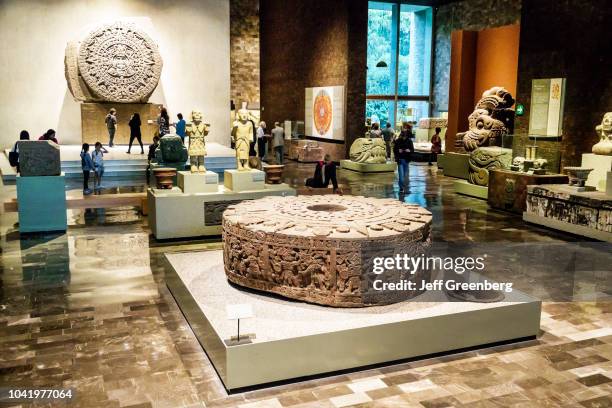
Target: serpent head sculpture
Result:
[[366, 150], [489, 119]]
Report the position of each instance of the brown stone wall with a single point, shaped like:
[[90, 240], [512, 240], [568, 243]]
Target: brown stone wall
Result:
[[314, 43], [569, 39], [244, 51]]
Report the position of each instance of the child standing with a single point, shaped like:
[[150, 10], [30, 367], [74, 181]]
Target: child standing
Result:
[[87, 165], [98, 160]]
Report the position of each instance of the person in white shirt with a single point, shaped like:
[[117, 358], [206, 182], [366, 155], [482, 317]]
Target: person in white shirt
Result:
[[261, 140]]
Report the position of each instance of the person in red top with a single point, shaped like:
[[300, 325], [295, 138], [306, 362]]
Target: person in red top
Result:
[[49, 135], [436, 146]]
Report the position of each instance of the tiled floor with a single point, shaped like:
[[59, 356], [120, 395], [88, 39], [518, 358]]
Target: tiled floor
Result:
[[90, 310]]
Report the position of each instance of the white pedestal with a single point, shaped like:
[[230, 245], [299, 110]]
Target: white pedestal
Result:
[[198, 182], [609, 183], [244, 180], [601, 166]]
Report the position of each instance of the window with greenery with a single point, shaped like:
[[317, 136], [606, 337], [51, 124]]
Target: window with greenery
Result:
[[399, 62]]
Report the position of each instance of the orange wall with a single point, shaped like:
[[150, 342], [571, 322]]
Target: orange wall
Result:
[[496, 59]]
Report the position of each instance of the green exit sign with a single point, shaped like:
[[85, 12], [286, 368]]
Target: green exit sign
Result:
[[520, 109]]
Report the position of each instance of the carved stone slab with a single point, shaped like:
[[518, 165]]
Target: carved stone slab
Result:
[[39, 158], [320, 249], [116, 62]]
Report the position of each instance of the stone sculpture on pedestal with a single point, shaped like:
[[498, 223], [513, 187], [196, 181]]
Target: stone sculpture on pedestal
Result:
[[366, 150], [197, 132], [242, 133], [488, 123], [321, 249], [171, 151], [604, 146], [39, 158]]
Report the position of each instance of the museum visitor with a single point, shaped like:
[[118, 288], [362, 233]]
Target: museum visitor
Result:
[[180, 127], [375, 131], [49, 135], [325, 172], [278, 142], [436, 146], [14, 153], [87, 165], [111, 125], [163, 122], [261, 140], [135, 132], [403, 150], [388, 134], [98, 160]]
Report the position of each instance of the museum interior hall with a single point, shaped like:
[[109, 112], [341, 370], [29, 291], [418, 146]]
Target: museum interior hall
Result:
[[306, 203]]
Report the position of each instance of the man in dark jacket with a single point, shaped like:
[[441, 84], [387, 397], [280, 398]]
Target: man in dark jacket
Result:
[[403, 150], [324, 173]]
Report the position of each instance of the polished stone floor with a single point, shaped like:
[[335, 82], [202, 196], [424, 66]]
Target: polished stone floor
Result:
[[90, 310]]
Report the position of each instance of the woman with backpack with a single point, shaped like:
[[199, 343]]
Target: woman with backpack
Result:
[[14, 153]]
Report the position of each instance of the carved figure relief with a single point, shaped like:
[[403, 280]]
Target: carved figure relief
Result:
[[321, 249], [115, 62]]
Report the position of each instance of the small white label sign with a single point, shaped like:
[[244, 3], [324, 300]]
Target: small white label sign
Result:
[[239, 311]]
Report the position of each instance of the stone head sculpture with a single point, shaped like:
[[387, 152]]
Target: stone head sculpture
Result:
[[196, 116], [489, 120]]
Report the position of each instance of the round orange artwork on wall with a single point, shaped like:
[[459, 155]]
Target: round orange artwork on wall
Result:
[[322, 112]]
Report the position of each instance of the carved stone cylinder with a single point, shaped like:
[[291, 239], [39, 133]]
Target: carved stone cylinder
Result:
[[323, 249]]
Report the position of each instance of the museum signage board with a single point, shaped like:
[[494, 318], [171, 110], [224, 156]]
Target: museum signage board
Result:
[[546, 113], [324, 112]]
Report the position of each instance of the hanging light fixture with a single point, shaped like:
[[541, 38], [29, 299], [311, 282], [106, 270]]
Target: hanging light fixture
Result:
[[381, 64]]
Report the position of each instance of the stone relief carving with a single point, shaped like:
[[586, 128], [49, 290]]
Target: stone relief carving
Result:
[[321, 249], [39, 158], [115, 62], [366, 150], [604, 129], [213, 211], [484, 159], [490, 120]]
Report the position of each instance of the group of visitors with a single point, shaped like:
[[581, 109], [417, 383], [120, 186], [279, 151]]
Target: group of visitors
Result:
[[277, 138], [93, 162]]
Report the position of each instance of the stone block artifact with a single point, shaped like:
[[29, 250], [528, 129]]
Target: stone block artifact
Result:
[[39, 158], [115, 62], [171, 150], [242, 133], [321, 249], [197, 132], [604, 146]]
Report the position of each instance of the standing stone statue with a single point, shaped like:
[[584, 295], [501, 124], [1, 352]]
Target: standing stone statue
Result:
[[197, 132], [242, 133]]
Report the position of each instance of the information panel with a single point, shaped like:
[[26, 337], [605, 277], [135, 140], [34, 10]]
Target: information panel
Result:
[[324, 112], [546, 114]]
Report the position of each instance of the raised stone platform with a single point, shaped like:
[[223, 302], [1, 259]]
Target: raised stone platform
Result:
[[368, 167], [473, 190], [190, 182], [288, 340], [561, 207]]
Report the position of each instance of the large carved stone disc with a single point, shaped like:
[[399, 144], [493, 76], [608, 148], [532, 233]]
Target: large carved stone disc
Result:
[[320, 249], [120, 63]]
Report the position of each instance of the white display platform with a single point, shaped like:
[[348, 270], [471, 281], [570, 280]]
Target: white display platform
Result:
[[190, 182], [601, 166], [389, 166], [609, 183], [175, 214], [290, 339], [238, 181]]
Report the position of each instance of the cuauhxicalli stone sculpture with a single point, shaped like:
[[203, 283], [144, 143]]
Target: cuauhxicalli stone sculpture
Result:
[[320, 249], [115, 62], [171, 150], [197, 132]]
